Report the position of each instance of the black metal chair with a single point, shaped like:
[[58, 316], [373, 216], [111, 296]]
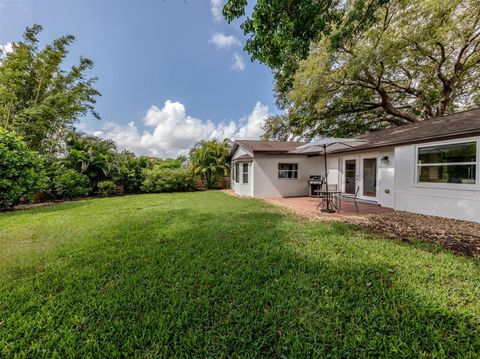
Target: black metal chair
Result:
[[352, 197]]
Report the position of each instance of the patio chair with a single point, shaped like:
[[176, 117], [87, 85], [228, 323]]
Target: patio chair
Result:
[[352, 197]]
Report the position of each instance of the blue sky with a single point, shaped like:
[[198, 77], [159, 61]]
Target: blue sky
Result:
[[171, 72]]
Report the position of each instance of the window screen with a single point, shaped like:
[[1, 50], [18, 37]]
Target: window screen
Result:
[[451, 163], [288, 170]]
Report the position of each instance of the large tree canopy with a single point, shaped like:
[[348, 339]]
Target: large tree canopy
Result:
[[420, 59], [343, 67], [38, 98], [280, 32]]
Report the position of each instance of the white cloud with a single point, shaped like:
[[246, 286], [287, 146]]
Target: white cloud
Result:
[[216, 7], [238, 63], [5, 49], [252, 125], [222, 41], [173, 132]]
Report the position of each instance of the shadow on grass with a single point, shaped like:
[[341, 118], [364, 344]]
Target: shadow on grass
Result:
[[228, 282]]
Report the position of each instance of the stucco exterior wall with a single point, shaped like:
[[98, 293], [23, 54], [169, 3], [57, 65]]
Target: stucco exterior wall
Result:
[[445, 200], [386, 179], [267, 183]]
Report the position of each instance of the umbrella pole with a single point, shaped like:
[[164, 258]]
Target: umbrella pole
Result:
[[326, 171], [329, 209]]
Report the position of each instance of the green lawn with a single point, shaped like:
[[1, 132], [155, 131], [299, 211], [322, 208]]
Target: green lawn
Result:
[[209, 275]]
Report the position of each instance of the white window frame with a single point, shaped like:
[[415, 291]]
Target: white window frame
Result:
[[287, 163], [246, 166], [237, 174], [473, 186]]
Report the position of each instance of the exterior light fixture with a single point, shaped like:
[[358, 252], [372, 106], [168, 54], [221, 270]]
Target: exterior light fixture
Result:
[[385, 160]]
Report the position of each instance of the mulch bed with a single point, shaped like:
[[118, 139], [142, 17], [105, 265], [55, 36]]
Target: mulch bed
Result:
[[462, 237], [22, 207]]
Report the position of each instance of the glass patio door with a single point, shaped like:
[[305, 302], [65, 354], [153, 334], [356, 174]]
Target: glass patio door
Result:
[[370, 177], [350, 176]]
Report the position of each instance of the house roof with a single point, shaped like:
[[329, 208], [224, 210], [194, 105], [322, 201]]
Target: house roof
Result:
[[460, 124], [243, 158], [266, 146], [455, 125]]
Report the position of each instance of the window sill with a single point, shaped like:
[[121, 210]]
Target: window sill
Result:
[[458, 187]]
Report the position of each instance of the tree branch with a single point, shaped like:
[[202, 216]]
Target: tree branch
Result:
[[387, 104]]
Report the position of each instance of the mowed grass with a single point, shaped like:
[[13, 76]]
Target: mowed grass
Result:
[[209, 275]]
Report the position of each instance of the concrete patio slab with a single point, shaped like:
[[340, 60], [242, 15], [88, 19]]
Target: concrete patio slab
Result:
[[307, 206]]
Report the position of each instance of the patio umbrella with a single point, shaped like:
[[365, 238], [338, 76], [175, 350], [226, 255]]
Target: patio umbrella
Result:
[[329, 144]]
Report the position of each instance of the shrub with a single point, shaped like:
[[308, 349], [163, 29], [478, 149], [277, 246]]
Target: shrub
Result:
[[71, 184], [21, 170], [129, 171], [171, 163], [106, 188], [160, 179]]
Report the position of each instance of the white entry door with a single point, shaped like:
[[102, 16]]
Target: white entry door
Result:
[[360, 173], [369, 178]]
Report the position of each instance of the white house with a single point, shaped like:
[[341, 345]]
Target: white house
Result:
[[430, 167]]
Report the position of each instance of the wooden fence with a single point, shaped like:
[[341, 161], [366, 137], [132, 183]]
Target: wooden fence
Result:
[[221, 184]]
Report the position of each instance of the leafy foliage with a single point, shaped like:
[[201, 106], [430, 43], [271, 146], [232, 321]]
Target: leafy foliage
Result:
[[208, 160], [129, 171], [344, 67], [91, 156], [419, 60], [38, 98], [172, 163], [21, 170], [160, 179], [106, 188], [281, 31], [68, 183]]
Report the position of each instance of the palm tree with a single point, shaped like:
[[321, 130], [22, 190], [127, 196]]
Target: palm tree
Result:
[[208, 160], [90, 155]]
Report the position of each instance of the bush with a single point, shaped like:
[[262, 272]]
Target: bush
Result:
[[21, 170], [71, 184], [160, 179], [129, 171], [106, 188]]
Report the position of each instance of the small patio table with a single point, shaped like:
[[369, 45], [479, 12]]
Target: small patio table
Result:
[[328, 205]]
